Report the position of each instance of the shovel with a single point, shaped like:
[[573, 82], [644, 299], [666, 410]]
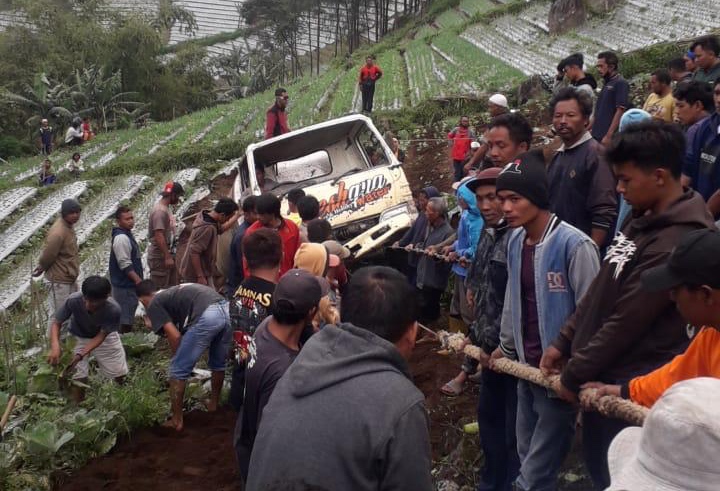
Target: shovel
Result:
[[6, 415]]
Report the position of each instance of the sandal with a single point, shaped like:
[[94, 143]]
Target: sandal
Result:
[[452, 388]]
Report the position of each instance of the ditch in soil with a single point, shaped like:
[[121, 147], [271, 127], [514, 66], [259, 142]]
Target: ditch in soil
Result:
[[202, 456]]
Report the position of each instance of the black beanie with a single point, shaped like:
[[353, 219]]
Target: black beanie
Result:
[[526, 176], [69, 206]]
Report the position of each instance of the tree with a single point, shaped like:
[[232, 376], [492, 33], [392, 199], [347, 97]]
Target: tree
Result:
[[44, 99], [99, 95], [170, 15]]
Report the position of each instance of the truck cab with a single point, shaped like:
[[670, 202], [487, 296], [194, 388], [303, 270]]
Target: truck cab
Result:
[[347, 165]]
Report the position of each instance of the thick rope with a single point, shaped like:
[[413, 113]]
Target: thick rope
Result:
[[610, 406]]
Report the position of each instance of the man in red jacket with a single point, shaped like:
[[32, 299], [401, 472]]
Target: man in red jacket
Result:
[[267, 208], [462, 136], [276, 121], [369, 74]]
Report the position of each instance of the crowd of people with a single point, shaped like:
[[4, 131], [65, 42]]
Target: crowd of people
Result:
[[598, 264]]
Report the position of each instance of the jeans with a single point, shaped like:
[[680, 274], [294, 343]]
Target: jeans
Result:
[[545, 429], [212, 331], [598, 432], [458, 170], [497, 411]]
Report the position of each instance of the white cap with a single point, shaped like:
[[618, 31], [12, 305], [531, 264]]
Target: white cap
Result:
[[475, 145], [677, 448], [499, 100]]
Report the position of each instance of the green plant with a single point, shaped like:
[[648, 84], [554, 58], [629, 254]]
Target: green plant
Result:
[[93, 432], [42, 442], [137, 343]]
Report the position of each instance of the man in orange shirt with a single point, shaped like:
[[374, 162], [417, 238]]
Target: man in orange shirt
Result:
[[369, 74], [692, 275]]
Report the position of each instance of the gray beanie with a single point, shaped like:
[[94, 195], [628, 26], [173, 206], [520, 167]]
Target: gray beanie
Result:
[[69, 206]]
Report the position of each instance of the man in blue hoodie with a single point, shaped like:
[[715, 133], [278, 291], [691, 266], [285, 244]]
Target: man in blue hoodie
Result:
[[550, 264], [468, 234], [346, 414]]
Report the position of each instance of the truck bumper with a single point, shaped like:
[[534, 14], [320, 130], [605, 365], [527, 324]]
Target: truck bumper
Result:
[[378, 236]]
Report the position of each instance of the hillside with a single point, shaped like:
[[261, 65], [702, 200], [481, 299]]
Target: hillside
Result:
[[435, 67]]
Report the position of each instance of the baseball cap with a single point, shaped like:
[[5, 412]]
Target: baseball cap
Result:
[[298, 291], [695, 261], [499, 100], [486, 176], [335, 248], [173, 187], [673, 450]]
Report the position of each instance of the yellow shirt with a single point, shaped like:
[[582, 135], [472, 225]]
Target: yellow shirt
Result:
[[295, 218], [660, 107]]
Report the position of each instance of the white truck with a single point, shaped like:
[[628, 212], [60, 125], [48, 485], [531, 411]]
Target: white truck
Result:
[[346, 164]]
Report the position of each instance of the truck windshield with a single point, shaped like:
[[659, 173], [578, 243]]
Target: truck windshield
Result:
[[312, 166]]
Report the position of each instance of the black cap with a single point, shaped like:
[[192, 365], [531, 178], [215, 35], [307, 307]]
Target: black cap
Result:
[[526, 176], [298, 291], [695, 261]]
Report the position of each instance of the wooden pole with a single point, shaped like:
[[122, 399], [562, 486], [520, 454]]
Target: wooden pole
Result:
[[6, 415]]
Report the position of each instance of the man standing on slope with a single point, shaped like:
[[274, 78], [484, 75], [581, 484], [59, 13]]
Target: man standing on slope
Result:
[[198, 263], [125, 267], [581, 184], [346, 414], [369, 74], [60, 259], [613, 99], [161, 237], [461, 137], [276, 121]]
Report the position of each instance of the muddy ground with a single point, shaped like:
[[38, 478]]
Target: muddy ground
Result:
[[202, 456]]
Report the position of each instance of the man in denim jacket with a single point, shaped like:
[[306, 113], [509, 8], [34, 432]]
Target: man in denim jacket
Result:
[[550, 266]]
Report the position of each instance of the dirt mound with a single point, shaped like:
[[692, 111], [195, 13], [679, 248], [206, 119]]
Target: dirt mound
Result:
[[201, 455]]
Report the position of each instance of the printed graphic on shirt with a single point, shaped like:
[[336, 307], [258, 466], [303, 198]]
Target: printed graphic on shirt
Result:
[[252, 300], [620, 253], [556, 282]]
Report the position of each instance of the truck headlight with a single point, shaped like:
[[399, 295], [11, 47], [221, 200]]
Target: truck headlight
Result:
[[403, 209]]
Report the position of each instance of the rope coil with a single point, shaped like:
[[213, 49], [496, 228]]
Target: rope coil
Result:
[[610, 406]]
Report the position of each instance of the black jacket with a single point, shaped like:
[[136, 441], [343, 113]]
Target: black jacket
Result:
[[619, 330]]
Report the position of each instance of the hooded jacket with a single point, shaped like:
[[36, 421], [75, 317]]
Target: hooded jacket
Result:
[[471, 224], [620, 330], [345, 416], [416, 233], [203, 241]]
